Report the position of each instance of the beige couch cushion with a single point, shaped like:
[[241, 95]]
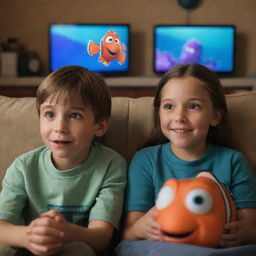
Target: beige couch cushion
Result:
[[130, 126]]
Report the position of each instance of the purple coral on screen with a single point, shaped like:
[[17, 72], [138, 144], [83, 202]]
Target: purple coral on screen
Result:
[[191, 52], [164, 60]]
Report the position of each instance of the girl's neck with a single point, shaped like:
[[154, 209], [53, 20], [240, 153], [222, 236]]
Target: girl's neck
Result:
[[189, 154]]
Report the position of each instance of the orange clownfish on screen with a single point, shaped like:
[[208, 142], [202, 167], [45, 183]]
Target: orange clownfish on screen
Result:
[[110, 48], [195, 211]]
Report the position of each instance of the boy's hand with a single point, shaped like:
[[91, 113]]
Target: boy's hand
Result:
[[148, 227], [45, 234]]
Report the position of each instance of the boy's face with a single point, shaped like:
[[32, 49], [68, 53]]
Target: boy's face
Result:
[[68, 127]]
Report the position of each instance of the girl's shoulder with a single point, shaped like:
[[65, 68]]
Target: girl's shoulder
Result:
[[152, 151], [224, 151]]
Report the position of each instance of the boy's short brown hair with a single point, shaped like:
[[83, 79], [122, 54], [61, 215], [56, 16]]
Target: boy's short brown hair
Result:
[[75, 80]]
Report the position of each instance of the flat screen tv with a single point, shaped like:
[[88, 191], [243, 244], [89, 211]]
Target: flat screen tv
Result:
[[101, 48], [210, 45]]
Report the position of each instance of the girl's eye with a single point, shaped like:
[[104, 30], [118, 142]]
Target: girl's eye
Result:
[[49, 114], [193, 106], [75, 116], [168, 106]]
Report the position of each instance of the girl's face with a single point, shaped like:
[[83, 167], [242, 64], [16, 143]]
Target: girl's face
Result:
[[186, 113]]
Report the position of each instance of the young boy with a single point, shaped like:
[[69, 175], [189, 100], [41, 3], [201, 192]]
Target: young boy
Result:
[[67, 195]]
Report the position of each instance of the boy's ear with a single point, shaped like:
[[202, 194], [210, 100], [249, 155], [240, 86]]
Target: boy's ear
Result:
[[217, 116], [102, 127]]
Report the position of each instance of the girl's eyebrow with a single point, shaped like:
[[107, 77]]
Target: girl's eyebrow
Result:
[[190, 99]]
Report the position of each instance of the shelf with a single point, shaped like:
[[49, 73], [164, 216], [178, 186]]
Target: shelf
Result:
[[131, 82]]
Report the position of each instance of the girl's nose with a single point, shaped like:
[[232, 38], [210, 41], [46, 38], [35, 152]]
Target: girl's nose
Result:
[[180, 115]]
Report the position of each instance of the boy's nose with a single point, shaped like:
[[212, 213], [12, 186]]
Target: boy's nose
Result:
[[61, 126]]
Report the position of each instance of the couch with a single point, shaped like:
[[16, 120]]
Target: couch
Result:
[[130, 126]]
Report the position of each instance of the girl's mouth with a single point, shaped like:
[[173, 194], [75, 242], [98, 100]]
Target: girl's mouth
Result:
[[181, 130]]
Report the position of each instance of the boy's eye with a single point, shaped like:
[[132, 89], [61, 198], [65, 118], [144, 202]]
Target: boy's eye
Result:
[[168, 106], [193, 106], [75, 116], [49, 114]]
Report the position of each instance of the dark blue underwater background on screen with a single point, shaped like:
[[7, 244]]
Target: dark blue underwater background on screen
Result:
[[68, 46], [208, 45]]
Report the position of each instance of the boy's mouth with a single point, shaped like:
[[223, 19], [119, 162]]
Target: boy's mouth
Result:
[[61, 142]]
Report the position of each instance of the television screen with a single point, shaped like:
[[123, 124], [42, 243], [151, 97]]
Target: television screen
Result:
[[100, 48], [211, 46]]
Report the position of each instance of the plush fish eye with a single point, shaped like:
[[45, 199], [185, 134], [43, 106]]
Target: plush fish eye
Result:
[[165, 197], [109, 39], [117, 40], [199, 201]]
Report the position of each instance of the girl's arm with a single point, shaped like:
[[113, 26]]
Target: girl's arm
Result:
[[242, 231], [141, 225]]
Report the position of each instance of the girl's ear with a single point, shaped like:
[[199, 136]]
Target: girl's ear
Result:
[[217, 116], [102, 127]]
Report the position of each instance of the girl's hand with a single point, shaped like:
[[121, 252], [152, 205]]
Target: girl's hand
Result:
[[148, 228], [238, 232], [44, 236]]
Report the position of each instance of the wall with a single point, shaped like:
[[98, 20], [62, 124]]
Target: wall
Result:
[[28, 21]]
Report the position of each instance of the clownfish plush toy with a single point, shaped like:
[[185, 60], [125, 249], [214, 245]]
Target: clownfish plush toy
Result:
[[195, 211]]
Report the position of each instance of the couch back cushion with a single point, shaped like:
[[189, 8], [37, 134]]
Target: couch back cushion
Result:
[[130, 126]]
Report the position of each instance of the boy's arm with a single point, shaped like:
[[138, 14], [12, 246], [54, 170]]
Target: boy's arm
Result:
[[13, 235], [41, 237], [97, 235]]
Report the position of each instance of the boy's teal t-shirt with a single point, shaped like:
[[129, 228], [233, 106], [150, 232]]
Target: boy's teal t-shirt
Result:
[[91, 191], [152, 166]]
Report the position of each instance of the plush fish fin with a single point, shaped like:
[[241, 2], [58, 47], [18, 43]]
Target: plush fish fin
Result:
[[101, 59], [121, 58], [123, 47], [231, 210], [93, 48]]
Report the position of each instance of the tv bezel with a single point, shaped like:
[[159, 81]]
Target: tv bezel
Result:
[[220, 73], [113, 73]]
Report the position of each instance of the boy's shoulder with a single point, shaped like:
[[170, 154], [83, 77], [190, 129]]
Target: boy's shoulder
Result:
[[33, 154], [104, 151]]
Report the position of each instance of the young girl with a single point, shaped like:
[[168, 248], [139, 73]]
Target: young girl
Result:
[[190, 112]]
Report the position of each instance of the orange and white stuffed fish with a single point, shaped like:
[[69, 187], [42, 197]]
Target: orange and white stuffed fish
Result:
[[110, 48], [195, 211]]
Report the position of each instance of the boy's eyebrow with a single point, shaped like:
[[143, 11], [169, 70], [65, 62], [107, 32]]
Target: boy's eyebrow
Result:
[[78, 108]]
